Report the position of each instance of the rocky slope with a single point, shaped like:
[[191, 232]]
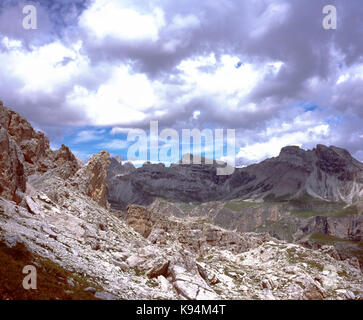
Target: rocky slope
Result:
[[292, 196], [282, 220], [61, 223]]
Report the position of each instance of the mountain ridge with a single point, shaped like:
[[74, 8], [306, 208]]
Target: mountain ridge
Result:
[[325, 173]]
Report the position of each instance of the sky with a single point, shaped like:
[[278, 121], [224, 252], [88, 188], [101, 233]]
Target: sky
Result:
[[94, 69]]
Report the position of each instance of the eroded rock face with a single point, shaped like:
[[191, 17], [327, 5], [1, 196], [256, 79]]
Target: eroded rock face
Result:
[[12, 179], [350, 228], [91, 179], [38, 157], [196, 233]]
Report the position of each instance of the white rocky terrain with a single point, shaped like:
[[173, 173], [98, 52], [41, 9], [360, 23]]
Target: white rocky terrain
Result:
[[58, 210]]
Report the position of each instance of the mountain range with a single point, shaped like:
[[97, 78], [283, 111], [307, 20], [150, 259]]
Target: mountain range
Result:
[[325, 173]]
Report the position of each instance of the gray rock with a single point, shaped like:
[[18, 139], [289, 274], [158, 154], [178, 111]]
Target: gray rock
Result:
[[70, 282], [90, 289], [105, 296], [350, 295], [12, 177], [11, 240]]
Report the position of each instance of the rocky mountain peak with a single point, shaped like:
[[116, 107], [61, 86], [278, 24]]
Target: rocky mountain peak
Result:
[[92, 178], [339, 162], [34, 145], [26, 152], [333, 153], [291, 150]]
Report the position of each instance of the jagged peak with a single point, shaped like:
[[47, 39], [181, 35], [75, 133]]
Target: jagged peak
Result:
[[91, 178]]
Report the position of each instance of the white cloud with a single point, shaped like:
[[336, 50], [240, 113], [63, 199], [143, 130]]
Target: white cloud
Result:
[[118, 130], [275, 13], [116, 92], [11, 44], [196, 114], [271, 148], [184, 22], [226, 81], [88, 135], [40, 69], [112, 19], [116, 144], [124, 98]]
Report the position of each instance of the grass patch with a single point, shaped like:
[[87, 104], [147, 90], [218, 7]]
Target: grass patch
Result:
[[152, 283], [51, 278], [239, 205], [337, 213], [346, 248], [186, 207], [138, 272]]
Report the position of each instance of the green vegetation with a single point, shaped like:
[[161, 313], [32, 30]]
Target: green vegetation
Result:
[[326, 239], [296, 257], [239, 205], [152, 283], [307, 207], [52, 279], [347, 248], [138, 272], [186, 207], [337, 213]]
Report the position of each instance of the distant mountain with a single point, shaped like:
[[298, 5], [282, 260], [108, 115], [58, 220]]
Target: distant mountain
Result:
[[325, 173]]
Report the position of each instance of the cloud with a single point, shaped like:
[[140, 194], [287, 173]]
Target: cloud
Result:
[[116, 144], [274, 143], [121, 64], [88, 136], [110, 19]]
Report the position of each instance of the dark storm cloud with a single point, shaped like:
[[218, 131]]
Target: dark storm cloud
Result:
[[223, 25], [53, 18], [297, 39], [348, 97]]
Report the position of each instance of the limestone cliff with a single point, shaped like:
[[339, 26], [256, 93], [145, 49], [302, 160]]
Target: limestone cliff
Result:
[[91, 178]]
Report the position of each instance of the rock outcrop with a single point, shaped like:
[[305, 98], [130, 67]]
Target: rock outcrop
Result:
[[91, 178], [38, 157], [197, 234], [248, 265], [350, 228], [12, 178]]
